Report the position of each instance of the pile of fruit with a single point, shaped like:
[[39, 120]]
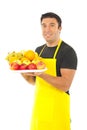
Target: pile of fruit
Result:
[[25, 60]]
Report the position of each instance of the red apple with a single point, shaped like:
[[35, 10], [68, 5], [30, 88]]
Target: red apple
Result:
[[14, 66], [41, 65], [31, 66], [23, 67]]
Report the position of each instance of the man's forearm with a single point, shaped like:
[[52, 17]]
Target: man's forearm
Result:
[[29, 79], [59, 82]]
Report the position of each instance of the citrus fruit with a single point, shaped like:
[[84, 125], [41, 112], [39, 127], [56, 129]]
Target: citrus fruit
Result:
[[29, 54]]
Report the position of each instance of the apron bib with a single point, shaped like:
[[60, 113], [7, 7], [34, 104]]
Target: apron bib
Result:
[[52, 106]]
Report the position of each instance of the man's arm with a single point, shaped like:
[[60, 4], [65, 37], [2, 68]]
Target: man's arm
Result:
[[30, 79], [64, 82]]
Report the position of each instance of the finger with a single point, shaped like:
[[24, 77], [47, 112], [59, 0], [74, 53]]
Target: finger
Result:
[[30, 74]]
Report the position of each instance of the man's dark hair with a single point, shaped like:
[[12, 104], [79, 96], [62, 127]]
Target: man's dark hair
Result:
[[52, 15]]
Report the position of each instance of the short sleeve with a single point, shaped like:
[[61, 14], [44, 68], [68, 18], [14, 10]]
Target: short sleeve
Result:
[[69, 59]]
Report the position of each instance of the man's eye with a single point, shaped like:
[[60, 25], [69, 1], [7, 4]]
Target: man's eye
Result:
[[44, 26], [52, 25]]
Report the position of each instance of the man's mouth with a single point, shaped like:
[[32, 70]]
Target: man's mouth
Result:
[[47, 35]]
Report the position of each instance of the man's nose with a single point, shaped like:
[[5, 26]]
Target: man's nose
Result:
[[48, 28]]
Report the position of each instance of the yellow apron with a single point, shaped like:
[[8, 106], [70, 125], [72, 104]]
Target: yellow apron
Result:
[[51, 107]]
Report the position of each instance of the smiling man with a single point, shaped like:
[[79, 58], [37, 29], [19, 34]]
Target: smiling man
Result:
[[52, 98]]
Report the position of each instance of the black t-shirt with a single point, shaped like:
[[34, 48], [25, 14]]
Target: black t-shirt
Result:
[[65, 58]]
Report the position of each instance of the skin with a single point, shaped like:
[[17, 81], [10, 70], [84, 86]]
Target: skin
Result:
[[51, 33]]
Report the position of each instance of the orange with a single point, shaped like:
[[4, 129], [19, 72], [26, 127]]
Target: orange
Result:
[[29, 54]]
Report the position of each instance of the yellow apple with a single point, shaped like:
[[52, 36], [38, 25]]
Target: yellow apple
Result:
[[41, 65]]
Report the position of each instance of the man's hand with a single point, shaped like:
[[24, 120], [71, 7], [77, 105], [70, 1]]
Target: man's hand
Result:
[[33, 73]]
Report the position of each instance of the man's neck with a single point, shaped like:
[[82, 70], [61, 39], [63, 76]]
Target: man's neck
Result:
[[52, 44]]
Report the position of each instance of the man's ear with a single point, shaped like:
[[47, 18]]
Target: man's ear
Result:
[[60, 28]]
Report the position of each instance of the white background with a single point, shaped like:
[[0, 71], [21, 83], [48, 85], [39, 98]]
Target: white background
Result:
[[20, 29]]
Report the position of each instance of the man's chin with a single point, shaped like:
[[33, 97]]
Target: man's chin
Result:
[[48, 39]]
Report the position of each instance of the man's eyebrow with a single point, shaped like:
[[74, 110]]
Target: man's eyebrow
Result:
[[45, 23], [52, 23]]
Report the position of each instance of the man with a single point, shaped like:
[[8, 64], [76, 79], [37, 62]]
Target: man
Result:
[[52, 99]]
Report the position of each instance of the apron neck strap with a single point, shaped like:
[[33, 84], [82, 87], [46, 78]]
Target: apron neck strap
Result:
[[57, 49], [59, 43], [42, 50]]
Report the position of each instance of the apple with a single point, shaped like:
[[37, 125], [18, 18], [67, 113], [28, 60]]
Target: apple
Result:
[[27, 62], [31, 66], [14, 66], [41, 65], [23, 66]]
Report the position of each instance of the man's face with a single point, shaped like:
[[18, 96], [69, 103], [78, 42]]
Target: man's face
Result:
[[50, 29]]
